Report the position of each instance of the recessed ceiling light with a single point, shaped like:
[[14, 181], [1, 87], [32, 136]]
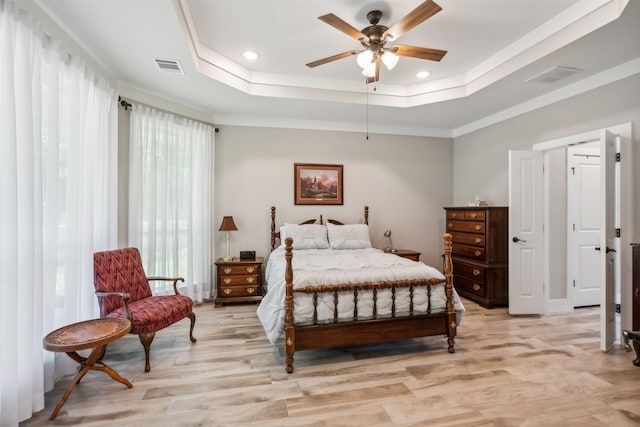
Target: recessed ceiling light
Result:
[[250, 55], [422, 74]]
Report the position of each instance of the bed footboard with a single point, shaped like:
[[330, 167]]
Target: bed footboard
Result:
[[374, 328]]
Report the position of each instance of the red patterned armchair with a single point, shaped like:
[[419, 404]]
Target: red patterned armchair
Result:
[[123, 290]]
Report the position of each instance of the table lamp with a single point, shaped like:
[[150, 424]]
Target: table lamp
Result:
[[228, 225], [387, 234]]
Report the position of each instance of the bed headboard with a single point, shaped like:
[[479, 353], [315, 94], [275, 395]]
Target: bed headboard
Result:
[[275, 233]]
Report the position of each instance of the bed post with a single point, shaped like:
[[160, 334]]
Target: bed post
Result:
[[366, 215], [448, 274], [273, 227], [289, 330]]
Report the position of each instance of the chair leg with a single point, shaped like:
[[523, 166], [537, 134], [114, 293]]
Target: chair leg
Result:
[[192, 316], [145, 339]]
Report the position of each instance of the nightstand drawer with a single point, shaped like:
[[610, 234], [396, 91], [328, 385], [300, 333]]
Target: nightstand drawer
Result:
[[238, 269], [239, 280], [238, 291]]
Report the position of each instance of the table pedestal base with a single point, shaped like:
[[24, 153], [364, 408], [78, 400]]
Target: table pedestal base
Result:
[[86, 364]]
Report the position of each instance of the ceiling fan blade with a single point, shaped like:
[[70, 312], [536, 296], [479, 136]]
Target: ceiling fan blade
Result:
[[376, 77], [418, 52], [332, 58], [341, 25], [415, 17]]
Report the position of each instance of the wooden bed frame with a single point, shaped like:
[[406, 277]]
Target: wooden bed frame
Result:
[[345, 333]]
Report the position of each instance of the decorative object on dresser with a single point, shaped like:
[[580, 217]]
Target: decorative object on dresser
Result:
[[228, 225], [238, 280], [407, 253], [480, 253], [390, 248]]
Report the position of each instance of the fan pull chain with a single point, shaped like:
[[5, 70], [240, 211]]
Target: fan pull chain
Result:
[[367, 89]]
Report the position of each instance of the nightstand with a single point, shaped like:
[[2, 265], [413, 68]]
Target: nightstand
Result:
[[407, 253], [238, 280]]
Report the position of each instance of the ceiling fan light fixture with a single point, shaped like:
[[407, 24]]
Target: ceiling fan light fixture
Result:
[[364, 58], [369, 70], [390, 60]]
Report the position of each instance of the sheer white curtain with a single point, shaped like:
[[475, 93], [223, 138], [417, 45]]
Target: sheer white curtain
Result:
[[58, 154], [170, 193]]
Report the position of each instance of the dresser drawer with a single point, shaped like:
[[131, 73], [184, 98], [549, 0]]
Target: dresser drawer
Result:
[[239, 280], [473, 272], [238, 269], [238, 291], [459, 215], [468, 239], [466, 226], [469, 285], [474, 215], [471, 252]]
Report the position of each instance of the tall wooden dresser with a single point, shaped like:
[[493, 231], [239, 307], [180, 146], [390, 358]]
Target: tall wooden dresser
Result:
[[480, 253]]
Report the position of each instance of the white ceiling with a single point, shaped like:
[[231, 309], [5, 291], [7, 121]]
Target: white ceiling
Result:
[[493, 47]]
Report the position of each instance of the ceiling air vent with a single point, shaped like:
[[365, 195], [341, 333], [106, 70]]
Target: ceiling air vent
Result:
[[554, 74], [169, 66]]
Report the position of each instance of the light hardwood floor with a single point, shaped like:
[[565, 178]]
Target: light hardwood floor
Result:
[[506, 371]]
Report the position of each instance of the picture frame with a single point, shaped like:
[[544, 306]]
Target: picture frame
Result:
[[318, 184]]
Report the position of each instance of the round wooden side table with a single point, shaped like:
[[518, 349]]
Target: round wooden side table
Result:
[[95, 334]]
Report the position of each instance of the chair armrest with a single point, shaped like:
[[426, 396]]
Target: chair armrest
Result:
[[175, 281], [125, 296]]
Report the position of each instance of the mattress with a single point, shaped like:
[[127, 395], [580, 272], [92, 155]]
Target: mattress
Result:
[[330, 267]]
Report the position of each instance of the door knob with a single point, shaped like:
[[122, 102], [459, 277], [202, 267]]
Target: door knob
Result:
[[610, 250], [516, 240]]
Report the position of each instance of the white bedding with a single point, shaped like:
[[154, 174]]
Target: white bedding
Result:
[[328, 266]]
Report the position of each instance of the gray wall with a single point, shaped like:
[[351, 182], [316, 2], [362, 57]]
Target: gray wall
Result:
[[405, 181], [481, 158]]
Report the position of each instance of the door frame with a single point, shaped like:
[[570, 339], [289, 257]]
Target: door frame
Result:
[[626, 208]]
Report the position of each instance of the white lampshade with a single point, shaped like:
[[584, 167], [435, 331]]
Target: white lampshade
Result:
[[370, 70], [364, 58], [390, 59]]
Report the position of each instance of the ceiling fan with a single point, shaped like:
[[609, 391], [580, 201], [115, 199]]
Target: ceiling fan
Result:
[[374, 38]]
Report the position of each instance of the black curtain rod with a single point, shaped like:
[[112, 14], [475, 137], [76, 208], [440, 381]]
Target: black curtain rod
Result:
[[127, 105]]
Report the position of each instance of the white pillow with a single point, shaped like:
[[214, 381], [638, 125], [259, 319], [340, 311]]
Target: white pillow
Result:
[[307, 236], [283, 234], [349, 236]]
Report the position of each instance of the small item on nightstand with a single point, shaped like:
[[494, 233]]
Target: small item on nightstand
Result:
[[247, 254], [387, 234]]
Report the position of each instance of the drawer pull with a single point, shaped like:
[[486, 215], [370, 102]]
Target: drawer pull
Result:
[[476, 287], [227, 291], [478, 253], [251, 290], [478, 227], [473, 215], [227, 270], [450, 225], [454, 215], [250, 279], [227, 280], [478, 240], [251, 269], [476, 272]]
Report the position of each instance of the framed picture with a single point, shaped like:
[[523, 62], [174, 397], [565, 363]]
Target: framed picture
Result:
[[318, 184]]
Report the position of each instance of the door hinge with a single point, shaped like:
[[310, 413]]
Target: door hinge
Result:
[[617, 157], [574, 283], [617, 308], [617, 232]]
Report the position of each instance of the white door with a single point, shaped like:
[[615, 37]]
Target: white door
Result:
[[526, 293], [607, 239], [583, 212]]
